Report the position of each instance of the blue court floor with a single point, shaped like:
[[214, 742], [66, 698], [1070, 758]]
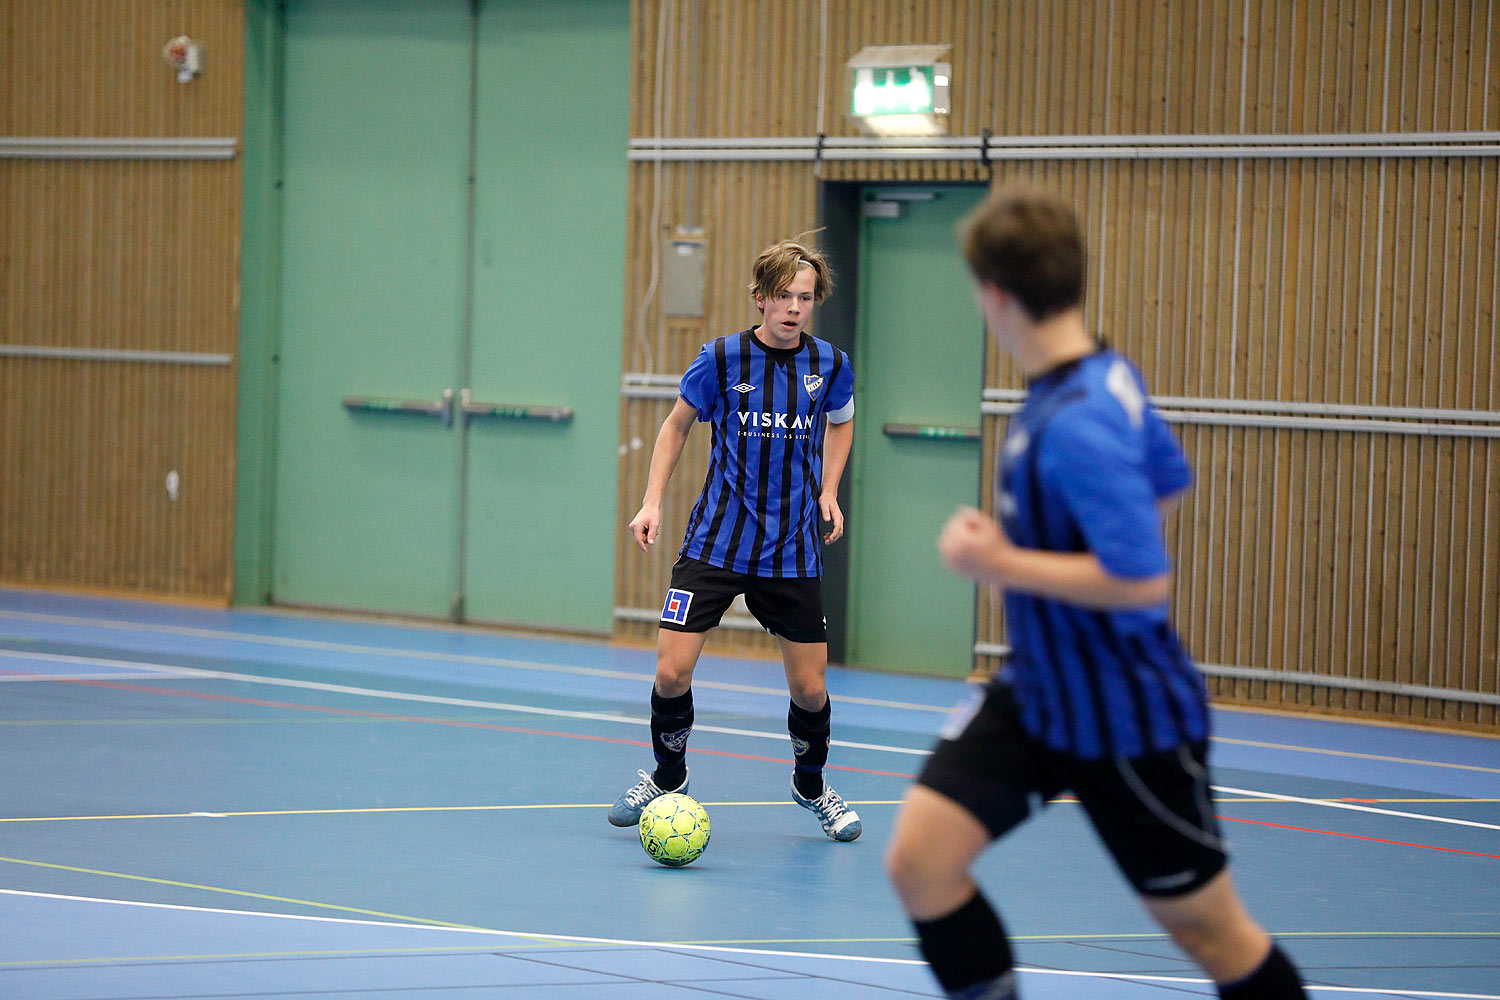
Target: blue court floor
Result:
[[204, 803]]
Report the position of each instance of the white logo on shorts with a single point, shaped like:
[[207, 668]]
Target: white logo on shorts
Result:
[[1170, 881]]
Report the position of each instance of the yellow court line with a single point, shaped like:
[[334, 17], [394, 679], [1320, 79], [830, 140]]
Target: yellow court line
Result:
[[1253, 800], [304, 812], [1361, 756], [400, 809]]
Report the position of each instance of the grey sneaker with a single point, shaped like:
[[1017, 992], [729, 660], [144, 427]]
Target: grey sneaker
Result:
[[627, 808], [839, 821]]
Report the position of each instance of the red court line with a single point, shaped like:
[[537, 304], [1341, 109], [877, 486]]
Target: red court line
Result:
[[456, 723], [1355, 836], [465, 724]]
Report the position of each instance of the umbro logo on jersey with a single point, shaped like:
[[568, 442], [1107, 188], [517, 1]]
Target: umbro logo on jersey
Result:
[[744, 387], [812, 383]]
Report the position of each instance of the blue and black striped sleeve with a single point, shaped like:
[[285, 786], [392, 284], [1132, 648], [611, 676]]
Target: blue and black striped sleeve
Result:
[[700, 384], [1097, 468]]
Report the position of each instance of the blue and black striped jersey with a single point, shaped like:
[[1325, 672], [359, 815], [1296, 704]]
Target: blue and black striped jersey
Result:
[[759, 510], [1084, 463]]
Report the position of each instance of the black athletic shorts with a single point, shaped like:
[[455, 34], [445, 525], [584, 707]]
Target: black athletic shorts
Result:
[[1154, 813], [787, 606]]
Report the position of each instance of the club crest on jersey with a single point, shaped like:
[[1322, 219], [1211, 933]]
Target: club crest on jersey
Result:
[[812, 383], [676, 608]]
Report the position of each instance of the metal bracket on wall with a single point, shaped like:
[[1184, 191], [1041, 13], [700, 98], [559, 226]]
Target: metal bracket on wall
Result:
[[442, 408]]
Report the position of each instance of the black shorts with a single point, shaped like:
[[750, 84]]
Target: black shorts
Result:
[[787, 606], [1154, 813]]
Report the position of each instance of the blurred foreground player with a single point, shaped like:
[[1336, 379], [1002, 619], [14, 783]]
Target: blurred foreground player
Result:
[[1099, 698]]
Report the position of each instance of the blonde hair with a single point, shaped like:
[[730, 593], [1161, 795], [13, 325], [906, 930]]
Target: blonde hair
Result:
[[778, 264]]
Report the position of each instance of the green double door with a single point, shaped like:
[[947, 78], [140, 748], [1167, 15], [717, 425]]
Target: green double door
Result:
[[453, 231], [919, 367]]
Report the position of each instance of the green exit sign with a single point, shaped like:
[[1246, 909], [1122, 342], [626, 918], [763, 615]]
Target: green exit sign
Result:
[[900, 89]]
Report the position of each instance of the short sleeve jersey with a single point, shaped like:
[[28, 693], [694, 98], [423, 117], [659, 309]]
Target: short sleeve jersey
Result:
[[1084, 463], [758, 513]]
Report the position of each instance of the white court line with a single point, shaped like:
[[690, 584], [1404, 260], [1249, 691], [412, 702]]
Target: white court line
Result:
[[168, 670], [542, 938], [1355, 808], [154, 675], [431, 656], [186, 672]]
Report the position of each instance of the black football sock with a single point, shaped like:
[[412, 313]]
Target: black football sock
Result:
[[671, 724], [969, 952], [1276, 978], [810, 734]]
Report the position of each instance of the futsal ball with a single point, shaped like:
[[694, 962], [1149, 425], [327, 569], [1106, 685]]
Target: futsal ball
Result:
[[674, 829]]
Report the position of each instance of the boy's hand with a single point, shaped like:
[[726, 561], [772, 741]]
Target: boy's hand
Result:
[[645, 526], [828, 505], [973, 545]]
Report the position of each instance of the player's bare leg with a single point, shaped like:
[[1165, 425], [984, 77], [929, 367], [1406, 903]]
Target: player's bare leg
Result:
[[676, 658], [1213, 927], [806, 666], [935, 842]]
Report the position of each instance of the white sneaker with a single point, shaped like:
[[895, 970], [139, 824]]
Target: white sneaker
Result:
[[838, 820], [627, 808]]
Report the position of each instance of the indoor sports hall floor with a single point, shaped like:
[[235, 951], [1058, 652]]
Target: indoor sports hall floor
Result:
[[200, 803]]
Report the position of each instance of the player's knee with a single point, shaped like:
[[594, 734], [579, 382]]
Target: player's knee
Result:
[[915, 873], [902, 869], [810, 695], [673, 680]]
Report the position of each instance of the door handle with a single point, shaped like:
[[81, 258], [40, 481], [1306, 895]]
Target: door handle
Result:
[[932, 431], [508, 411], [442, 407]]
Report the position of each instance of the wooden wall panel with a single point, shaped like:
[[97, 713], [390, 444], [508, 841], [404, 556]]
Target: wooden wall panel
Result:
[[118, 255], [94, 68], [1350, 552], [1050, 67], [87, 447], [110, 254]]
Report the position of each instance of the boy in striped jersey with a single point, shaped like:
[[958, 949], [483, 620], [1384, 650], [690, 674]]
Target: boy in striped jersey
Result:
[[781, 407], [1098, 697]]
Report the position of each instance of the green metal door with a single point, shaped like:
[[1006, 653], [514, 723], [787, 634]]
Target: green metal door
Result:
[[549, 287], [373, 235], [919, 377], [449, 376]]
